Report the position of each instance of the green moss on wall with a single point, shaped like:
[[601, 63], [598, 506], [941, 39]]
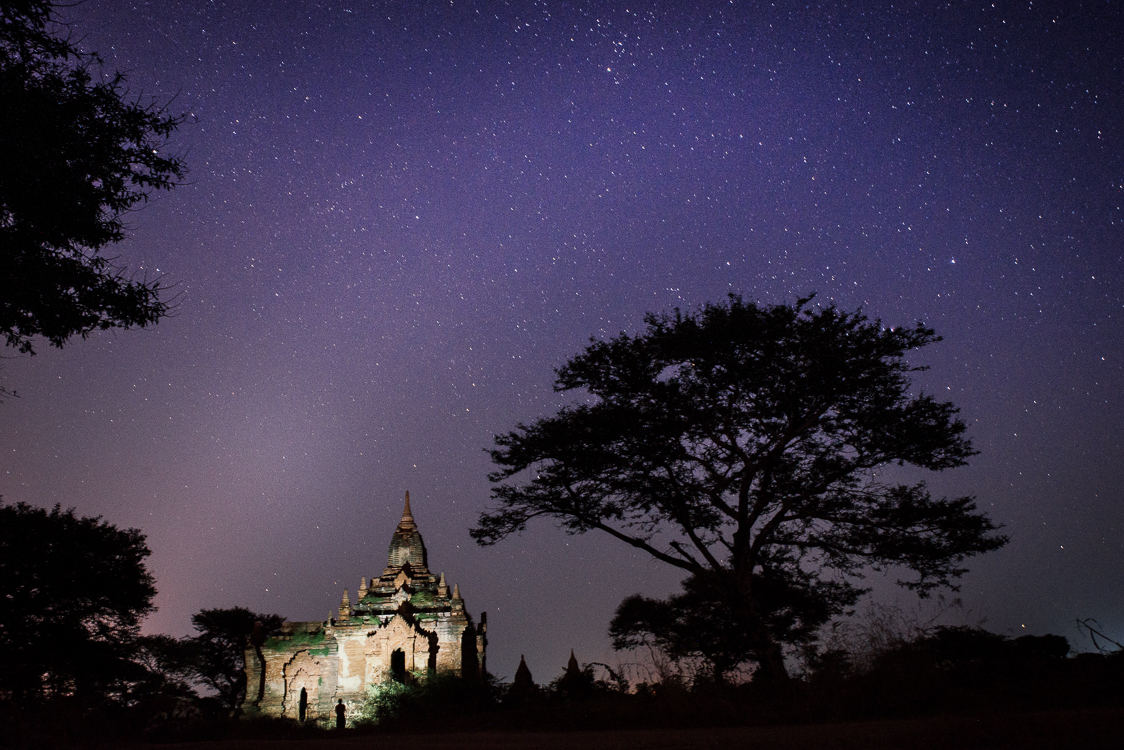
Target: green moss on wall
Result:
[[298, 639], [422, 598]]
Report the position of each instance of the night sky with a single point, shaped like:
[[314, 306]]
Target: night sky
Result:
[[401, 217]]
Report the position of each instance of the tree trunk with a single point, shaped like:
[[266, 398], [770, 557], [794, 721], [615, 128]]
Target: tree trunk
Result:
[[770, 665], [771, 668]]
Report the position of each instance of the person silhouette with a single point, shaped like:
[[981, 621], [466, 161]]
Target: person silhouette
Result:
[[341, 714]]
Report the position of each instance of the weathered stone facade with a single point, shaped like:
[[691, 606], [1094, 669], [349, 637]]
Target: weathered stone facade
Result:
[[404, 625]]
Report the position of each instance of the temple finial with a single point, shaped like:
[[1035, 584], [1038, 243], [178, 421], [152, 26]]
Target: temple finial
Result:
[[406, 514]]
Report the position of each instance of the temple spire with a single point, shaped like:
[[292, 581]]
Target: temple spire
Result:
[[407, 517], [572, 667], [345, 607], [523, 680], [406, 546]]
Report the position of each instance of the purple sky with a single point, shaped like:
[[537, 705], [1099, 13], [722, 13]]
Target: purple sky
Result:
[[401, 217]]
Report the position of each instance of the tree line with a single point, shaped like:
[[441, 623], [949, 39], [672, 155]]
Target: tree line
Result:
[[75, 591]]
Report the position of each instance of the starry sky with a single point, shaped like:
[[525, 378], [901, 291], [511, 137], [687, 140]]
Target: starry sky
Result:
[[402, 216]]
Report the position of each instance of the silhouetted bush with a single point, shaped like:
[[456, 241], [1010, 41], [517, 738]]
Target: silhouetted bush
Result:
[[433, 698], [960, 669]]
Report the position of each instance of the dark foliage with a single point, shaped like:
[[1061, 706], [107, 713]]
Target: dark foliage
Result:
[[574, 683], [965, 649], [168, 689], [217, 656], [703, 622], [961, 669], [580, 683], [748, 446], [78, 155], [73, 592], [944, 673], [167, 656], [433, 700]]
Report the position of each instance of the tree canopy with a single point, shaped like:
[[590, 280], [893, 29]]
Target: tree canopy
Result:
[[73, 592], [218, 653], [748, 446], [78, 155]]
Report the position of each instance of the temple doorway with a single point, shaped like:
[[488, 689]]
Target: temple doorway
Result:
[[398, 665]]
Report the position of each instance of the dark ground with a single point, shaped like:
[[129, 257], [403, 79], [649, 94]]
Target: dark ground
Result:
[[1086, 729]]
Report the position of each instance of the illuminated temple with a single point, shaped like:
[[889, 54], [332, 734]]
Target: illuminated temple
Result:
[[403, 625]]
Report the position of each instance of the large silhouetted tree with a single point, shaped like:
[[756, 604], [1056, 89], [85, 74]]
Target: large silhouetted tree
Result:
[[73, 592], [78, 155], [748, 446]]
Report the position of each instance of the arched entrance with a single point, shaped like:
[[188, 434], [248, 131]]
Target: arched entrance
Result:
[[398, 665]]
